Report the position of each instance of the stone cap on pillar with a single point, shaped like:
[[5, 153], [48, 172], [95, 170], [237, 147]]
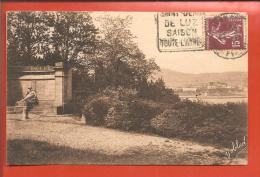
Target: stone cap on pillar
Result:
[[59, 65]]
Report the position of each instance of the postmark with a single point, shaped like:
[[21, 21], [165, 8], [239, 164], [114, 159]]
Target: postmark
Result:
[[180, 31], [225, 34]]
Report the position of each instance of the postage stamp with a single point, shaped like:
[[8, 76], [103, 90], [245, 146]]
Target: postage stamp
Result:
[[226, 35], [223, 33]]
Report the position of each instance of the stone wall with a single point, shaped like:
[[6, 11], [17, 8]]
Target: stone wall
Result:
[[53, 85]]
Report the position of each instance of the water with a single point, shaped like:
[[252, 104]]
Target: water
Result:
[[217, 100]]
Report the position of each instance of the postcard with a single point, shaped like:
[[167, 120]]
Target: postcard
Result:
[[127, 88]]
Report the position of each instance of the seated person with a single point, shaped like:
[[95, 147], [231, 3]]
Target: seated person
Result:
[[30, 100]]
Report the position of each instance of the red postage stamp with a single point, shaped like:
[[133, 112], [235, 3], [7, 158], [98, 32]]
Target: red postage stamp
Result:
[[224, 32]]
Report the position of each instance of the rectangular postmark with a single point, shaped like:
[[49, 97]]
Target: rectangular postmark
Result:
[[181, 31], [223, 33]]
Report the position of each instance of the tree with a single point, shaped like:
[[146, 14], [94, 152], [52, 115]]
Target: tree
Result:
[[120, 62], [43, 38], [74, 38], [27, 37], [158, 91]]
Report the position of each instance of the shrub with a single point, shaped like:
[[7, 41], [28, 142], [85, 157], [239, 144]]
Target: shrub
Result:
[[119, 93], [97, 106], [96, 109], [218, 124], [131, 115], [119, 108], [142, 111], [118, 116], [157, 91], [212, 124], [169, 123]]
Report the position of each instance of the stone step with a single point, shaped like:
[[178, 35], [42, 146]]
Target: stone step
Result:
[[10, 112], [46, 103], [40, 112], [15, 109], [43, 109], [10, 109], [38, 107]]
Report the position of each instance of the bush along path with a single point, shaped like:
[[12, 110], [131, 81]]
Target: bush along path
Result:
[[212, 124]]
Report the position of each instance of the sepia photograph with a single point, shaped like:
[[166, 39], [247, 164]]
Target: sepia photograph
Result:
[[127, 88]]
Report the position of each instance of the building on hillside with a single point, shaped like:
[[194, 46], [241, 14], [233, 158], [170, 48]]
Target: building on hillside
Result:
[[189, 89], [215, 85]]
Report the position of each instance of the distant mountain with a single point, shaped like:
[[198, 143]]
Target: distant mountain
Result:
[[175, 79]]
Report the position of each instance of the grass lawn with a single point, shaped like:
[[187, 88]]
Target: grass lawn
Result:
[[28, 152]]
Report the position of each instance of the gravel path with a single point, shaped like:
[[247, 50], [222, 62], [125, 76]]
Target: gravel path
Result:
[[70, 132]]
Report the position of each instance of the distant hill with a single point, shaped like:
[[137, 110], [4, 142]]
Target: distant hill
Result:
[[175, 79]]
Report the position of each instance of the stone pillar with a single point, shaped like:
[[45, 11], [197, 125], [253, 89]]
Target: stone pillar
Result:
[[83, 119], [24, 113], [59, 87], [69, 84]]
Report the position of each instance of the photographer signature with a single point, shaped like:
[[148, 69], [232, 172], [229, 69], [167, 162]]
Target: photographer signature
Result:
[[237, 147]]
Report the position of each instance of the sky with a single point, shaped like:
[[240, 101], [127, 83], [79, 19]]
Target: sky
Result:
[[145, 29]]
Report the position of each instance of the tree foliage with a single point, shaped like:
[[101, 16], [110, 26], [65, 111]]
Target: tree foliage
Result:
[[120, 60], [74, 37], [43, 38], [27, 37]]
